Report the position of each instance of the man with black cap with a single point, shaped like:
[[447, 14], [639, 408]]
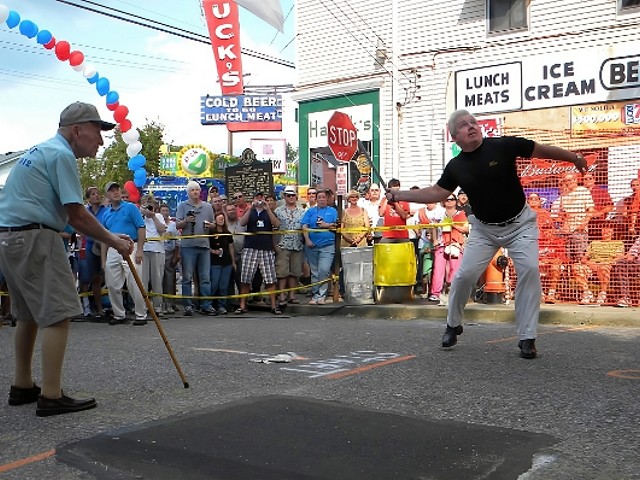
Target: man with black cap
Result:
[[32, 257]]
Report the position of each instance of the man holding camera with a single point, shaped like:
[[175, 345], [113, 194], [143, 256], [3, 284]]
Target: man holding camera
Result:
[[153, 263], [258, 251], [191, 216]]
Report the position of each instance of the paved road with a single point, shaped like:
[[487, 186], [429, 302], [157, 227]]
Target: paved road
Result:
[[582, 390]]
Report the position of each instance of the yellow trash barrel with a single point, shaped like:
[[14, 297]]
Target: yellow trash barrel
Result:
[[394, 265]]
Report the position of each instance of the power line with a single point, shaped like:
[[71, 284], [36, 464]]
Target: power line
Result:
[[178, 32]]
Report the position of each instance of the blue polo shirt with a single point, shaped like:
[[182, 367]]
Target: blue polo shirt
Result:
[[327, 215], [40, 184], [125, 219], [89, 240]]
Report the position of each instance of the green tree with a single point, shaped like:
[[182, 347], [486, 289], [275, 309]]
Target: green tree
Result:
[[292, 154], [113, 166]]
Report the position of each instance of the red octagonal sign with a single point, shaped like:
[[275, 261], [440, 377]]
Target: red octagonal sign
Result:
[[342, 136]]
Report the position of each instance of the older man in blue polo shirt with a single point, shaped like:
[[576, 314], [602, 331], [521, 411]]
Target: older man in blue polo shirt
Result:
[[32, 257], [123, 218]]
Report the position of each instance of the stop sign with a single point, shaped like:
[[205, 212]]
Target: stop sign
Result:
[[343, 137]]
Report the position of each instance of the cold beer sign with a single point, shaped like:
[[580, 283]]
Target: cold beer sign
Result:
[[342, 136]]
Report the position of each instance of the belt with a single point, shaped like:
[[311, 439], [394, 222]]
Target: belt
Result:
[[29, 226], [506, 222]]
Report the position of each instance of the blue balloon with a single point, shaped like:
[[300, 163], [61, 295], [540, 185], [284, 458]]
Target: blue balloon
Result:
[[136, 162], [102, 85], [140, 177], [28, 28], [93, 79], [112, 97], [13, 19], [44, 37]]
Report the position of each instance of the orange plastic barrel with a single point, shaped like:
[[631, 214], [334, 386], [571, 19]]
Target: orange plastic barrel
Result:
[[494, 276], [394, 264]]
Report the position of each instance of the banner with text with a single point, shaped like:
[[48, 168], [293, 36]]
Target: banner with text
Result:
[[242, 112], [574, 77], [224, 30]]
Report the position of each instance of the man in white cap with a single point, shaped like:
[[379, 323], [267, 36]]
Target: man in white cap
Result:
[[32, 257], [290, 246]]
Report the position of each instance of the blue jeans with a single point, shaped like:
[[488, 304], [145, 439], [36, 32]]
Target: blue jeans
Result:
[[200, 258], [320, 260], [220, 276]]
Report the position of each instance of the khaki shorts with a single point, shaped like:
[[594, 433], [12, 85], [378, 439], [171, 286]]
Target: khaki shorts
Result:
[[288, 263], [41, 285]]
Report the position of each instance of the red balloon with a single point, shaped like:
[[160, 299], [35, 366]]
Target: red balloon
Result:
[[125, 125], [63, 50], [120, 113], [134, 193], [76, 58], [113, 106], [50, 44]]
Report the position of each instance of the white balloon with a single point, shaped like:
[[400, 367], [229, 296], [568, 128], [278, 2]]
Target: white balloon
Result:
[[130, 136], [79, 68], [89, 70], [4, 13], [134, 149]]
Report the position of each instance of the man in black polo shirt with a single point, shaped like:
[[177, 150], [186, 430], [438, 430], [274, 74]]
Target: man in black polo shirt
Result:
[[258, 250], [486, 166]]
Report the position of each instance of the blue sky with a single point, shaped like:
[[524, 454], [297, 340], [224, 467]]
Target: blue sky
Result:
[[159, 77]]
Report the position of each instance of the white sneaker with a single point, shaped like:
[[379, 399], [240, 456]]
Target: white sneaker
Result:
[[320, 301], [86, 311], [602, 298], [587, 298]]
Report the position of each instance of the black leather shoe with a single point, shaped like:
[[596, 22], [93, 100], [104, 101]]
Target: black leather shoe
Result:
[[450, 337], [56, 406], [528, 348], [22, 396]]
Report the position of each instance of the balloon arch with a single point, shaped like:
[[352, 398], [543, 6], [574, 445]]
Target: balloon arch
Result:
[[76, 59]]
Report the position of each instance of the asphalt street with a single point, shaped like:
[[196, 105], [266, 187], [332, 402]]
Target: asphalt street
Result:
[[581, 392]]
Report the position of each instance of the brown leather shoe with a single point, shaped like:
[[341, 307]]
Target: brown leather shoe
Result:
[[22, 396], [56, 406]]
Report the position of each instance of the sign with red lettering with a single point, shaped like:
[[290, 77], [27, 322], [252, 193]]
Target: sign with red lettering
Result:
[[539, 169], [224, 31], [342, 137]]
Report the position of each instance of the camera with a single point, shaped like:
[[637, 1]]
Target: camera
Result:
[[191, 213], [149, 207], [260, 202]]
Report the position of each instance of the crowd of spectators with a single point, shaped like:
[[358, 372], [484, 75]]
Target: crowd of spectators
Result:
[[223, 245]]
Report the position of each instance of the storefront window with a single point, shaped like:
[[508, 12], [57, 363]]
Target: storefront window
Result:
[[507, 14], [624, 4]]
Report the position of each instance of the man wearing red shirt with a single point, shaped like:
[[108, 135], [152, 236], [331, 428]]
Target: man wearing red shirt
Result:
[[394, 213]]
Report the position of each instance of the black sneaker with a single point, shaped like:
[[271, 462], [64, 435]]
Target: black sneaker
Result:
[[450, 337], [140, 321], [188, 311], [528, 348], [209, 311], [118, 321]]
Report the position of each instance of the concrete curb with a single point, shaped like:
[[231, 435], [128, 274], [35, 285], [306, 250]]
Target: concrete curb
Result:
[[549, 314]]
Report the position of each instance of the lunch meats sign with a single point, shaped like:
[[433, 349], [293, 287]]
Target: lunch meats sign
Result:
[[242, 112], [574, 77]]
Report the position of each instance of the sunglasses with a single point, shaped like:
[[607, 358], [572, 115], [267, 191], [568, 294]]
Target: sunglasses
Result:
[[237, 196], [312, 193], [450, 199], [290, 195]]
